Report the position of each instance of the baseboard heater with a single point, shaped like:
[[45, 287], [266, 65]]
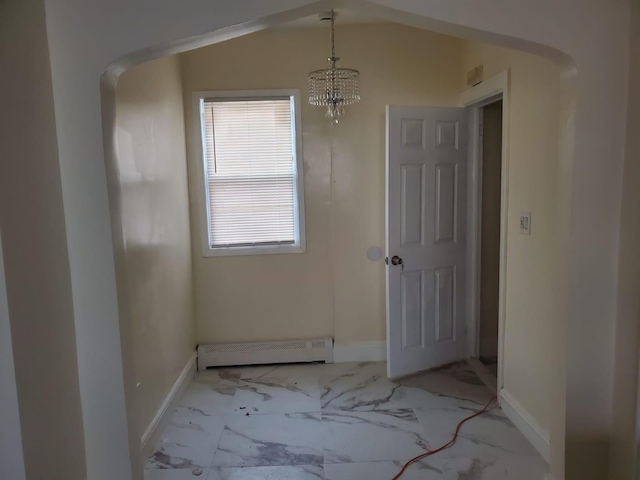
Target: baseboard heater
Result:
[[259, 353]]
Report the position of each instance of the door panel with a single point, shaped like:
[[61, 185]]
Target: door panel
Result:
[[412, 205], [426, 223], [412, 309], [445, 304], [446, 190]]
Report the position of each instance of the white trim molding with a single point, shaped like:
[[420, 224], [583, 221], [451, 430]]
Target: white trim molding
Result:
[[524, 421], [152, 433], [360, 352]]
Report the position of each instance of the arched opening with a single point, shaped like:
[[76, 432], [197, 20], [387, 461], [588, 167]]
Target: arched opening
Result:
[[559, 234]]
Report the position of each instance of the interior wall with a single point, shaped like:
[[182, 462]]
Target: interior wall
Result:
[[332, 289], [11, 456], [625, 451], [490, 229], [532, 317], [154, 257], [90, 39], [34, 243]]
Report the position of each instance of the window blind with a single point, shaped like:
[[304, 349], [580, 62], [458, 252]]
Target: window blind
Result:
[[250, 171]]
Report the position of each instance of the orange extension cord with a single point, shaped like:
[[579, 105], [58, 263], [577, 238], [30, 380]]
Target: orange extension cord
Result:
[[453, 440]]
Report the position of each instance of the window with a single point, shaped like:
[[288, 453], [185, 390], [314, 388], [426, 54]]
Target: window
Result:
[[253, 200]]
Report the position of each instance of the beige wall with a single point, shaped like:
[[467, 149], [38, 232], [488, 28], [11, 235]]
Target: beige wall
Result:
[[155, 258], [532, 318], [333, 289], [36, 261]]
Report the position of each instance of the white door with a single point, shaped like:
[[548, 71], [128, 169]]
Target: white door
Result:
[[426, 224]]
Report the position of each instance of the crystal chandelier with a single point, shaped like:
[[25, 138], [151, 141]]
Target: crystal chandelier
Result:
[[334, 87]]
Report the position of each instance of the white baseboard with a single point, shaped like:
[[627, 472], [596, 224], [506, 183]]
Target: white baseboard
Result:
[[529, 427], [360, 352], [152, 433]]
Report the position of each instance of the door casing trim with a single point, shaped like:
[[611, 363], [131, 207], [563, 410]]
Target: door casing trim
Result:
[[474, 99]]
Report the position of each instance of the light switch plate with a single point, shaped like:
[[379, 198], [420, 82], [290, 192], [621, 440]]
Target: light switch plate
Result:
[[525, 223]]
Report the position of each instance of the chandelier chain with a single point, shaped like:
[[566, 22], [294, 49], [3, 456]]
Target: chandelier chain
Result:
[[333, 39]]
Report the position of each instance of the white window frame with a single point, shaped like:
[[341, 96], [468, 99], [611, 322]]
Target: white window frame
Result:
[[299, 245]]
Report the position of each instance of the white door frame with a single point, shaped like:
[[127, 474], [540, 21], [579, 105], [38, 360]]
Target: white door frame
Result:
[[474, 99]]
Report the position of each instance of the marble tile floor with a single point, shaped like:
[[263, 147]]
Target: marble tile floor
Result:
[[338, 422]]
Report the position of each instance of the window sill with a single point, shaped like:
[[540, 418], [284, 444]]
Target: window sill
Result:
[[263, 250]]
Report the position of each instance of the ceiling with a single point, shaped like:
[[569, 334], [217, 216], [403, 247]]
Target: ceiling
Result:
[[343, 17]]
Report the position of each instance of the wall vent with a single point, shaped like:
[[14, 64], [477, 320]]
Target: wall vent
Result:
[[256, 353]]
